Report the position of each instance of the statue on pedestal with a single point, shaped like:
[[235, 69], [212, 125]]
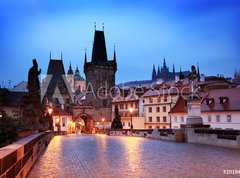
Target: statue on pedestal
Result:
[[33, 115], [192, 77], [116, 123]]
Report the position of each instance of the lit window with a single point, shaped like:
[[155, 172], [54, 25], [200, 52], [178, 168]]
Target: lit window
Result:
[[218, 118], [229, 118], [63, 121]]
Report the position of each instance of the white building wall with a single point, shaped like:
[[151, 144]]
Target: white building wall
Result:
[[222, 123]]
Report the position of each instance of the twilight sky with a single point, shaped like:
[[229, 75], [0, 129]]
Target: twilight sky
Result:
[[185, 32]]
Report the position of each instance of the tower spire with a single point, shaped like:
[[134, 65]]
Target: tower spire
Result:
[[158, 72], [181, 76], [85, 59], [164, 62], [154, 75], [102, 26], [173, 69], [114, 53], [198, 72], [95, 26]]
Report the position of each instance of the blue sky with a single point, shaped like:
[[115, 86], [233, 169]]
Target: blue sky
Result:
[[185, 32]]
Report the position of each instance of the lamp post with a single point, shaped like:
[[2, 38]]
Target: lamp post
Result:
[[103, 123], [131, 111], [49, 110]]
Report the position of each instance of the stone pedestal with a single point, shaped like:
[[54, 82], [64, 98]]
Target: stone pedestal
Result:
[[32, 115], [194, 118]]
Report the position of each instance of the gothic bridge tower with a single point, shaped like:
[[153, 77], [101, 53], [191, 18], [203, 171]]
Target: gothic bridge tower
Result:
[[100, 73]]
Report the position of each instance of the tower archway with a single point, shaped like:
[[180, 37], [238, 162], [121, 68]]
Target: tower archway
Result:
[[84, 123]]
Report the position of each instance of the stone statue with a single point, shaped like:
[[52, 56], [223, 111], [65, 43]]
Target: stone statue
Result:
[[33, 116], [116, 123], [33, 81], [193, 81]]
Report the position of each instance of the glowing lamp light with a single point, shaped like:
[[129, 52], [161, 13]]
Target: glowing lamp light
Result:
[[57, 120], [131, 110], [103, 119], [50, 111]]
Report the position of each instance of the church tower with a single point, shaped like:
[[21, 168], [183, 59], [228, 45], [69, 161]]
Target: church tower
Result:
[[100, 73], [70, 78]]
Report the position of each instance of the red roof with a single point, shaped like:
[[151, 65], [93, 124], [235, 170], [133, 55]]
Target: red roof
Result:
[[232, 103]]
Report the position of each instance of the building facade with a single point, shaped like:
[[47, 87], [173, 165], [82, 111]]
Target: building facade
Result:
[[130, 108], [157, 103], [220, 109]]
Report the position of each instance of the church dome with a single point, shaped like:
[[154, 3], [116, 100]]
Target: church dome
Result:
[[78, 78]]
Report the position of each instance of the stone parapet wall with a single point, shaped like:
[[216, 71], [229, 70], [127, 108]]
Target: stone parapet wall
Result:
[[176, 135], [215, 137], [17, 159]]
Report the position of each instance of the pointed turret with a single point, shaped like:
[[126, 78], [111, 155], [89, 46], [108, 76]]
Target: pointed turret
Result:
[[77, 71], [154, 75], [85, 59], [70, 71], [198, 73], [173, 70], [158, 72], [114, 54], [99, 52], [164, 63], [181, 76]]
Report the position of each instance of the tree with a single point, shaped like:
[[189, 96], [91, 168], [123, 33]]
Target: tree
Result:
[[8, 129]]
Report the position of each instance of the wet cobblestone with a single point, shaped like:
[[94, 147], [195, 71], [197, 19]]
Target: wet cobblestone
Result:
[[107, 156]]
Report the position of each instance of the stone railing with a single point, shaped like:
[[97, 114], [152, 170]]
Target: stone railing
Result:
[[215, 137], [17, 159], [176, 135]]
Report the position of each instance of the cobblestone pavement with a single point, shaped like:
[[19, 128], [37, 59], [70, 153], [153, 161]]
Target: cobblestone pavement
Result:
[[112, 156]]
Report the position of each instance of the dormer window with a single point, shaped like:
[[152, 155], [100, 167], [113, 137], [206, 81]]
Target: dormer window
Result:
[[223, 100], [209, 101]]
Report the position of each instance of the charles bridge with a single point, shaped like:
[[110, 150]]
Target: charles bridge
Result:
[[123, 153]]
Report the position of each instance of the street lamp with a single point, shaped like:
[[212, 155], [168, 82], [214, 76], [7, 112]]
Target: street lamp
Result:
[[49, 110], [131, 111]]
